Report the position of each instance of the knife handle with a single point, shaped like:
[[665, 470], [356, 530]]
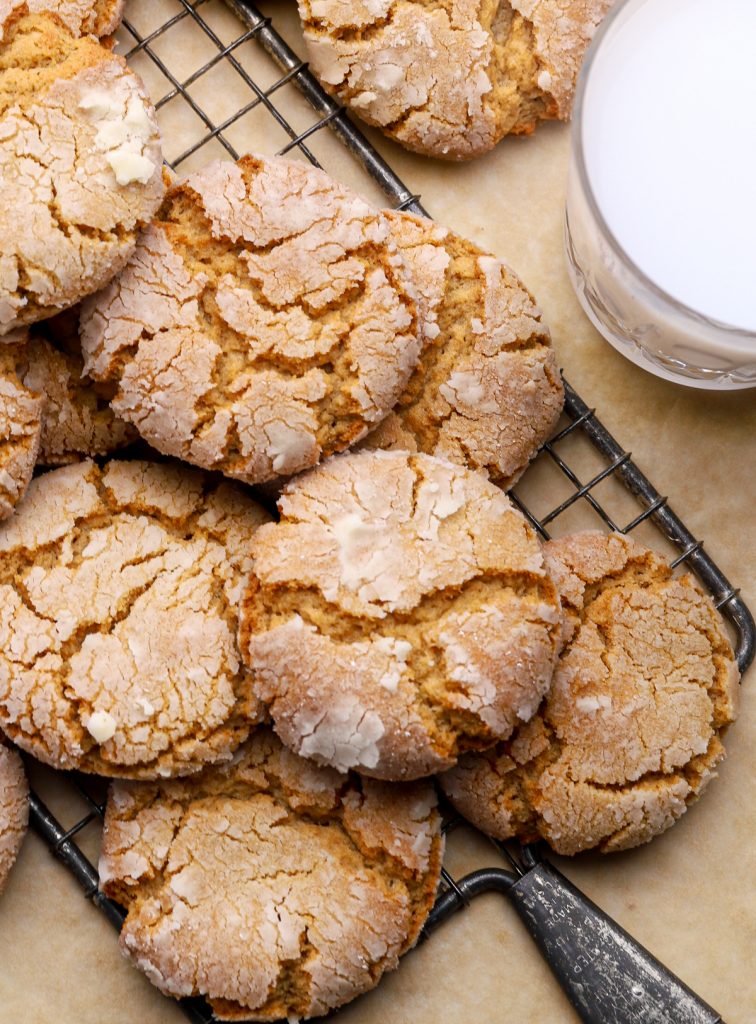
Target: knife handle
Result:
[[608, 977]]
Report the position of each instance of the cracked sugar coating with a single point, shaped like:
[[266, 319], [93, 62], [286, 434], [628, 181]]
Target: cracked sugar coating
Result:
[[14, 808], [20, 423], [263, 322], [273, 887], [82, 17], [487, 392], [80, 166], [118, 616], [630, 732], [78, 421], [450, 78], [398, 615]]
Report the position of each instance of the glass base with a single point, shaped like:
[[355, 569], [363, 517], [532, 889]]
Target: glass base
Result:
[[657, 363]]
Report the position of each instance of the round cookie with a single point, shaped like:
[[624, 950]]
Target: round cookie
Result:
[[487, 391], [80, 166], [630, 732], [398, 615], [272, 887], [14, 809], [118, 615], [78, 421], [263, 323], [451, 79], [20, 423], [82, 17]]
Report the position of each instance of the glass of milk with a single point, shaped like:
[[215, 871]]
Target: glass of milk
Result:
[[661, 200]]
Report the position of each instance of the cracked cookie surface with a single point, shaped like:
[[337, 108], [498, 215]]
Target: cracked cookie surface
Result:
[[397, 615], [80, 166], [21, 411], [77, 420], [631, 730], [82, 17], [487, 391], [118, 615], [271, 886], [263, 322], [450, 78], [14, 808]]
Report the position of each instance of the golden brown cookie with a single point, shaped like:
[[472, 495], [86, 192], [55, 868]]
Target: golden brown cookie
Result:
[[270, 886], [451, 78], [630, 732], [21, 412], [487, 392], [80, 166], [397, 615], [118, 616], [82, 17], [77, 421], [14, 808], [263, 322]]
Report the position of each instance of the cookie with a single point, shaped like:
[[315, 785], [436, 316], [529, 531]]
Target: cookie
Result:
[[451, 79], [20, 423], [631, 730], [80, 166], [82, 17], [397, 615], [14, 809], [118, 616], [262, 323], [487, 391], [270, 886], [78, 421]]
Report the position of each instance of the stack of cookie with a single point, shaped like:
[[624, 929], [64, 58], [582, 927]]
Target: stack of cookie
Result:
[[273, 692]]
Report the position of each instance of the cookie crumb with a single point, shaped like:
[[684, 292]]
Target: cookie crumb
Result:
[[101, 726]]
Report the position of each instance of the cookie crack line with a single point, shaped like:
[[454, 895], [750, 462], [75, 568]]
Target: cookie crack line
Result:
[[658, 586], [351, 627], [647, 778], [239, 241], [349, 33], [278, 361]]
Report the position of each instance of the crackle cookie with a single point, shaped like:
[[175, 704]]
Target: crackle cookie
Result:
[[80, 166], [82, 17], [14, 808], [118, 615], [263, 322], [271, 886], [451, 78], [487, 391], [20, 423], [398, 615], [630, 732], [77, 421]]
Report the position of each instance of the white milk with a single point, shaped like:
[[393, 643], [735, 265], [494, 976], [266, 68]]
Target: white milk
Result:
[[667, 123]]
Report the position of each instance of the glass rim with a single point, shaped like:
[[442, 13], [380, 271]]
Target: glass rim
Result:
[[578, 156]]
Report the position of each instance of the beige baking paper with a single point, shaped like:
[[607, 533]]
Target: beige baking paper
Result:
[[689, 896]]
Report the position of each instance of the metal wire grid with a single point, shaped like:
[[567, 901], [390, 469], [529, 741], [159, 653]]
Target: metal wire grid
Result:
[[580, 420]]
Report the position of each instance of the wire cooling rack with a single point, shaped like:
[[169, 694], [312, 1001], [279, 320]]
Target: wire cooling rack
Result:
[[585, 467]]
